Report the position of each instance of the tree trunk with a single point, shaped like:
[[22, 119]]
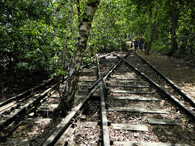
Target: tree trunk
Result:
[[148, 44], [173, 36], [173, 29], [68, 28], [153, 26], [190, 53], [72, 81]]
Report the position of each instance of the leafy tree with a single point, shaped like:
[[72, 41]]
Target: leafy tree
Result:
[[27, 38]]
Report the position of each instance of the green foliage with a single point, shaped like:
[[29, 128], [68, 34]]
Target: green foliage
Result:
[[28, 42], [109, 29], [154, 18]]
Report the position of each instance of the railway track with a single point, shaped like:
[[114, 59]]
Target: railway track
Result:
[[117, 103], [16, 110], [159, 78], [26, 122], [16, 101]]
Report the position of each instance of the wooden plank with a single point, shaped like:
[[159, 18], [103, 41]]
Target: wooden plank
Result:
[[164, 122], [48, 106], [38, 120], [135, 143], [87, 73], [125, 81], [119, 78], [140, 110], [90, 124], [129, 86], [84, 86], [54, 96], [130, 92], [134, 98], [87, 81], [18, 141], [130, 127], [58, 97]]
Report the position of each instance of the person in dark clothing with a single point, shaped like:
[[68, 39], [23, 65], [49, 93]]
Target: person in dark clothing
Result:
[[141, 43], [135, 44]]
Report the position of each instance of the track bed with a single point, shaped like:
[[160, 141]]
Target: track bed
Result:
[[121, 101]]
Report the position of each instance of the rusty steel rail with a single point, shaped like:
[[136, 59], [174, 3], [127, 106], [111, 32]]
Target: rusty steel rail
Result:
[[104, 120], [26, 93]]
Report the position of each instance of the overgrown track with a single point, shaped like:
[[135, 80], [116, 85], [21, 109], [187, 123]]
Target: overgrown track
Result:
[[141, 112], [186, 104], [14, 113], [160, 79], [5, 105], [32, 121], [116, 104]]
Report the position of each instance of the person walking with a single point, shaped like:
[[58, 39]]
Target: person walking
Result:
[[138, 37], [135, 44], [141, 43]]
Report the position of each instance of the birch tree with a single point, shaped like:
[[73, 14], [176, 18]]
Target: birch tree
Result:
[[73, 74]]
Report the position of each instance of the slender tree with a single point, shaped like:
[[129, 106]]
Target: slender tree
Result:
[[152, 25], [174, 15], [73, 74]]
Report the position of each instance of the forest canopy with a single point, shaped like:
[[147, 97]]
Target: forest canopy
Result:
[[41, 35]]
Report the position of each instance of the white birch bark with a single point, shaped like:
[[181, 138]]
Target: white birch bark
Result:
[[73, 75]]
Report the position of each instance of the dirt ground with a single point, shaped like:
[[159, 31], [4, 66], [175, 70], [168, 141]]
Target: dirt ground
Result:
[[176, 70]]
